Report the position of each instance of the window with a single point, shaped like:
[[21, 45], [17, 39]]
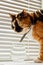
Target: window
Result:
[[9, 40]]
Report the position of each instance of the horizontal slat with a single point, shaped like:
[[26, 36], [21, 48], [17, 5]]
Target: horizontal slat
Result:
[[38, 1], [34, 3], [20, 54], [12, 2], [12, 5], [5, 23], [33, 7], [9, 38]]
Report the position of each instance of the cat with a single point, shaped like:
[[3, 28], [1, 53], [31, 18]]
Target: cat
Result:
[[21, 23]]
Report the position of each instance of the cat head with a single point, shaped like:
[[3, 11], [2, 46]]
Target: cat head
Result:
[[21, 22]]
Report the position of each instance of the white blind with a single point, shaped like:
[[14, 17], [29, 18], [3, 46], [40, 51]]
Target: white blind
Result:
[[10, 48], [34, 5]]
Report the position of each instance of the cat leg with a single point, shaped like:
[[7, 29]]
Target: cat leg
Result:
[[41, 49], [40, 58], [40, 40]]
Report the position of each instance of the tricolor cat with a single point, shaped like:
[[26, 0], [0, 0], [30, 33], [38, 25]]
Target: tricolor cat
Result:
[[22, 22]]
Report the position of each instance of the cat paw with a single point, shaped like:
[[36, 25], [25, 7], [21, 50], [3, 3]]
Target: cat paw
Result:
[[38, 60]]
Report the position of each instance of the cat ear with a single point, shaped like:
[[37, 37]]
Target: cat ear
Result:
[[12, 16], [24, 10]]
